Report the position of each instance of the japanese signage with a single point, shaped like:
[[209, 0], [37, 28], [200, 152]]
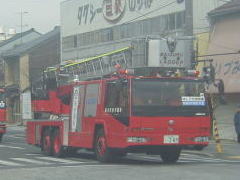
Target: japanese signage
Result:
[[169, 53], [193, 100], [227, 68], [79, 16], [75, 104]]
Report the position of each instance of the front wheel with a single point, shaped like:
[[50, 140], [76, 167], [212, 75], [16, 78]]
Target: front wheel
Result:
[[47, 143], [101, 149], [199, 147], [58, 150], [170, 155]]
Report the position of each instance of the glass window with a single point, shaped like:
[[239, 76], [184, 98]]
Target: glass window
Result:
[[180, 20], [75, 41], [171, 21], [167, 96], [116, 101], [91, 100]]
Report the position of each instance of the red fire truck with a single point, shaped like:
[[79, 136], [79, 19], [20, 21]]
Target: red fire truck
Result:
[[2, 113], [157, 113]]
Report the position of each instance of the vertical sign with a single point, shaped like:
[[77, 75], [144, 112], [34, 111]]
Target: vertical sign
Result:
[[75, 102], [26, 105]]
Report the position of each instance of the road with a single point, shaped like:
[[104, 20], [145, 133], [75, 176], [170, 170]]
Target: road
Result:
[[20, 161]]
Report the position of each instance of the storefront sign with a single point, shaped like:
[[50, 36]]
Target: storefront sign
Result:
[[79, 16], [166, 53]]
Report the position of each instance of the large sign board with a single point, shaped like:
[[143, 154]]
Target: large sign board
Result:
[[78, 16], [169, 53]]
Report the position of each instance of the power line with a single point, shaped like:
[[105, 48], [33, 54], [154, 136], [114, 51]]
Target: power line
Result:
[[142, 15], [223, 54]]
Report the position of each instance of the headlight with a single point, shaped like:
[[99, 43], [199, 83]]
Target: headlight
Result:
[[201, 139]]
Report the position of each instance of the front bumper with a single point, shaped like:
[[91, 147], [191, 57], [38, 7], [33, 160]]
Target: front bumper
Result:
[[183, 140]]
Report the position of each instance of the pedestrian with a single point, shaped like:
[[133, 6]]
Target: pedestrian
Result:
[[237, 123]]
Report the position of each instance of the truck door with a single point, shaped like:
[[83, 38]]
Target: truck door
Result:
[[77, 108]]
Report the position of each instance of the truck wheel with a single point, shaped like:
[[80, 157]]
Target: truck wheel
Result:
[[46, 143], [199, 147], [170, 155], [1, 136], [58, 150], [102, 152]]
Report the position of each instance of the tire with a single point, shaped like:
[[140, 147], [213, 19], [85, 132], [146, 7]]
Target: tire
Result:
[[1, 136], [47, 143], [199, 147], [102, 152], [170, 155], [58, 150], [71, 151]]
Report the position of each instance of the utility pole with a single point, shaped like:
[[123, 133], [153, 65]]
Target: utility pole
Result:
[[189, 25], [21, 15]]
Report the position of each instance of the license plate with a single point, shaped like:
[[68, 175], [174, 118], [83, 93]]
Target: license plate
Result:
[[171, 139]]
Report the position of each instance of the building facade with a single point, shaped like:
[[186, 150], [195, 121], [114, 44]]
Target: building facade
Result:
[[24, 66], [12, 42], [97, 26], [224, 50]]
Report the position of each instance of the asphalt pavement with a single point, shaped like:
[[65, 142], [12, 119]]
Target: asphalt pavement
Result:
[[19, 160]]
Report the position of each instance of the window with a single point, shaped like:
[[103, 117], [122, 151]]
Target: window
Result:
[[167, 97], [180, 17], [116, 101], [123, 31], [91, 100], [75, 41], [171, 22]]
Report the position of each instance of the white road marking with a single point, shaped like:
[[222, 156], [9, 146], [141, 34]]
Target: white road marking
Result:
[[9, 163], [65, 161], [186, 159], [11, 147], [190, 156], [37, 154], [11, 136], [31, 161]]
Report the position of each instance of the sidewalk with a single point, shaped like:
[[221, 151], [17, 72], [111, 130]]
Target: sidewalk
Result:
[[224, 116], [231, 150]]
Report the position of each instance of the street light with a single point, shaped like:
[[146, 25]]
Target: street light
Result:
[[21, 14]]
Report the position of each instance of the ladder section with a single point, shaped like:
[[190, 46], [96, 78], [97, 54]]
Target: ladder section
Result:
[[93, 67]]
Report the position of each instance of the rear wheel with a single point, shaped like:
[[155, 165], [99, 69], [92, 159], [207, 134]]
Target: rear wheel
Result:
[[1, 136], [58, 150], [47, 143], [102, 151], [170, 155]]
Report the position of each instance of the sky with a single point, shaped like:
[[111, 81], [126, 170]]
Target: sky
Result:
[[42, 15]]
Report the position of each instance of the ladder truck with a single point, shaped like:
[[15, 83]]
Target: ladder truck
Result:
[[101, 105], [2, 113]]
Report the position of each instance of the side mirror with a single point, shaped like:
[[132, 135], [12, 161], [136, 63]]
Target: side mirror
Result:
[[209, 74]]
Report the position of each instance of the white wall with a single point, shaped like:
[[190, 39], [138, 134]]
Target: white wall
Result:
[[200, 10]]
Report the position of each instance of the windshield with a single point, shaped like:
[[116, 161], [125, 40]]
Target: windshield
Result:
[[167, 97]]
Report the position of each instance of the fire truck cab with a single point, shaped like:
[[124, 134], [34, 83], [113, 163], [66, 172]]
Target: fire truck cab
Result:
[[122, 113], [2, 113]]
